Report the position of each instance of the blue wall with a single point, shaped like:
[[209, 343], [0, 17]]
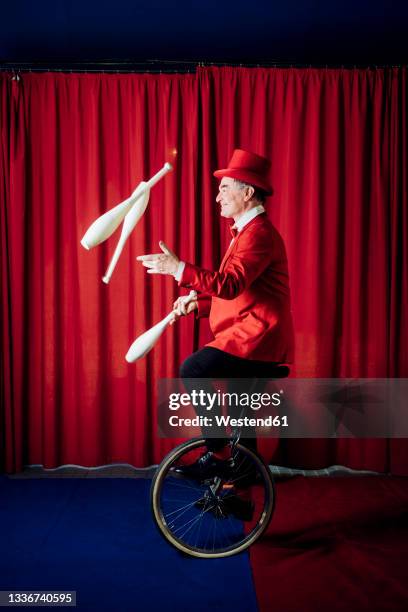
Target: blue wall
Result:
[[253, 31]]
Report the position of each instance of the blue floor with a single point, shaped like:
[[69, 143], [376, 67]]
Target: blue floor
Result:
[[97, 537]]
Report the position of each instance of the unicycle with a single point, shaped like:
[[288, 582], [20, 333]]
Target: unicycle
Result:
[[217, 517]]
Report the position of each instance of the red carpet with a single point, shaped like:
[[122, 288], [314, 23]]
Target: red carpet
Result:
[[335, 544]]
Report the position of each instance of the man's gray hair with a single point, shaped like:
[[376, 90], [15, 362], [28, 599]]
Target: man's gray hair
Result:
[[259, 194]]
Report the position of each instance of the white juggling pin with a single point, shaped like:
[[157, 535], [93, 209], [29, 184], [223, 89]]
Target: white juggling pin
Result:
[[129, 223], [144, 343], [106, 224]]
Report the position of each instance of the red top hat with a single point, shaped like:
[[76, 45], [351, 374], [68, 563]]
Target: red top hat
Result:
[[249, 168]]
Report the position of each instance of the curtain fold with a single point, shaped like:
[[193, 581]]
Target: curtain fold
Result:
[[72, 146], [14, 163]]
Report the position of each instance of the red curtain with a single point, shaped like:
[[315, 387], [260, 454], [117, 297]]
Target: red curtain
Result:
[[72, 146]]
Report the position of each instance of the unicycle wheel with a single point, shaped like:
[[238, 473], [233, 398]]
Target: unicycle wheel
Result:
[[217, 517]]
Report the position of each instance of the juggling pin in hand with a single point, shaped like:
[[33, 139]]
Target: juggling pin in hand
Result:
[[144, 343], [129, 223], [105, 225]]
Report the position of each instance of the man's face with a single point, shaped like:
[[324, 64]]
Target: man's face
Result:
[[232, 199]]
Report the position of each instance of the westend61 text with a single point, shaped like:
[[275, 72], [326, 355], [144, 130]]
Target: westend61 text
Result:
[[202, 399], [227, 421]]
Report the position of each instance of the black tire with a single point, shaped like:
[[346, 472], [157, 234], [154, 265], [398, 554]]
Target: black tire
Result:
[[208, 503]]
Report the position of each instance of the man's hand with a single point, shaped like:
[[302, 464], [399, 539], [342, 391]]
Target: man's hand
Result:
[[160, 263], [183, 306]]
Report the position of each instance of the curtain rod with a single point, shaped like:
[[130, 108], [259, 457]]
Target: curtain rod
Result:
[[169, 66]]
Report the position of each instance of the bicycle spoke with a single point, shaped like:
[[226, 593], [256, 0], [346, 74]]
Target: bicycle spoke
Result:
[[199, 527], [193, 521], [215, 527], [186, 491], [183, 508], [175, 483], [178, 499]]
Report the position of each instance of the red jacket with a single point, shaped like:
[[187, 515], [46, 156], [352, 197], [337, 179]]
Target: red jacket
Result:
[[249, 296]]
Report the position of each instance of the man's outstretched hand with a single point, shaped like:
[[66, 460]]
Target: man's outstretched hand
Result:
[[160, 263], [167, 263]]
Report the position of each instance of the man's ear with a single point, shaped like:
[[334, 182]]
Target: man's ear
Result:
[[249, 193]]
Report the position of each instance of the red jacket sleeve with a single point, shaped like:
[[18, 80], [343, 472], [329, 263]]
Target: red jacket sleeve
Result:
[[204, 306], [250, 257]]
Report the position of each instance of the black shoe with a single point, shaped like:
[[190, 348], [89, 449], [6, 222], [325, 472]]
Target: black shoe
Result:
[[206, 467]]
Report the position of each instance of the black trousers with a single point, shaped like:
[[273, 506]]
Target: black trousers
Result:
[[213, 363]]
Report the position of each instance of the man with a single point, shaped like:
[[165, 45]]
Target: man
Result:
[[247, 299]]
